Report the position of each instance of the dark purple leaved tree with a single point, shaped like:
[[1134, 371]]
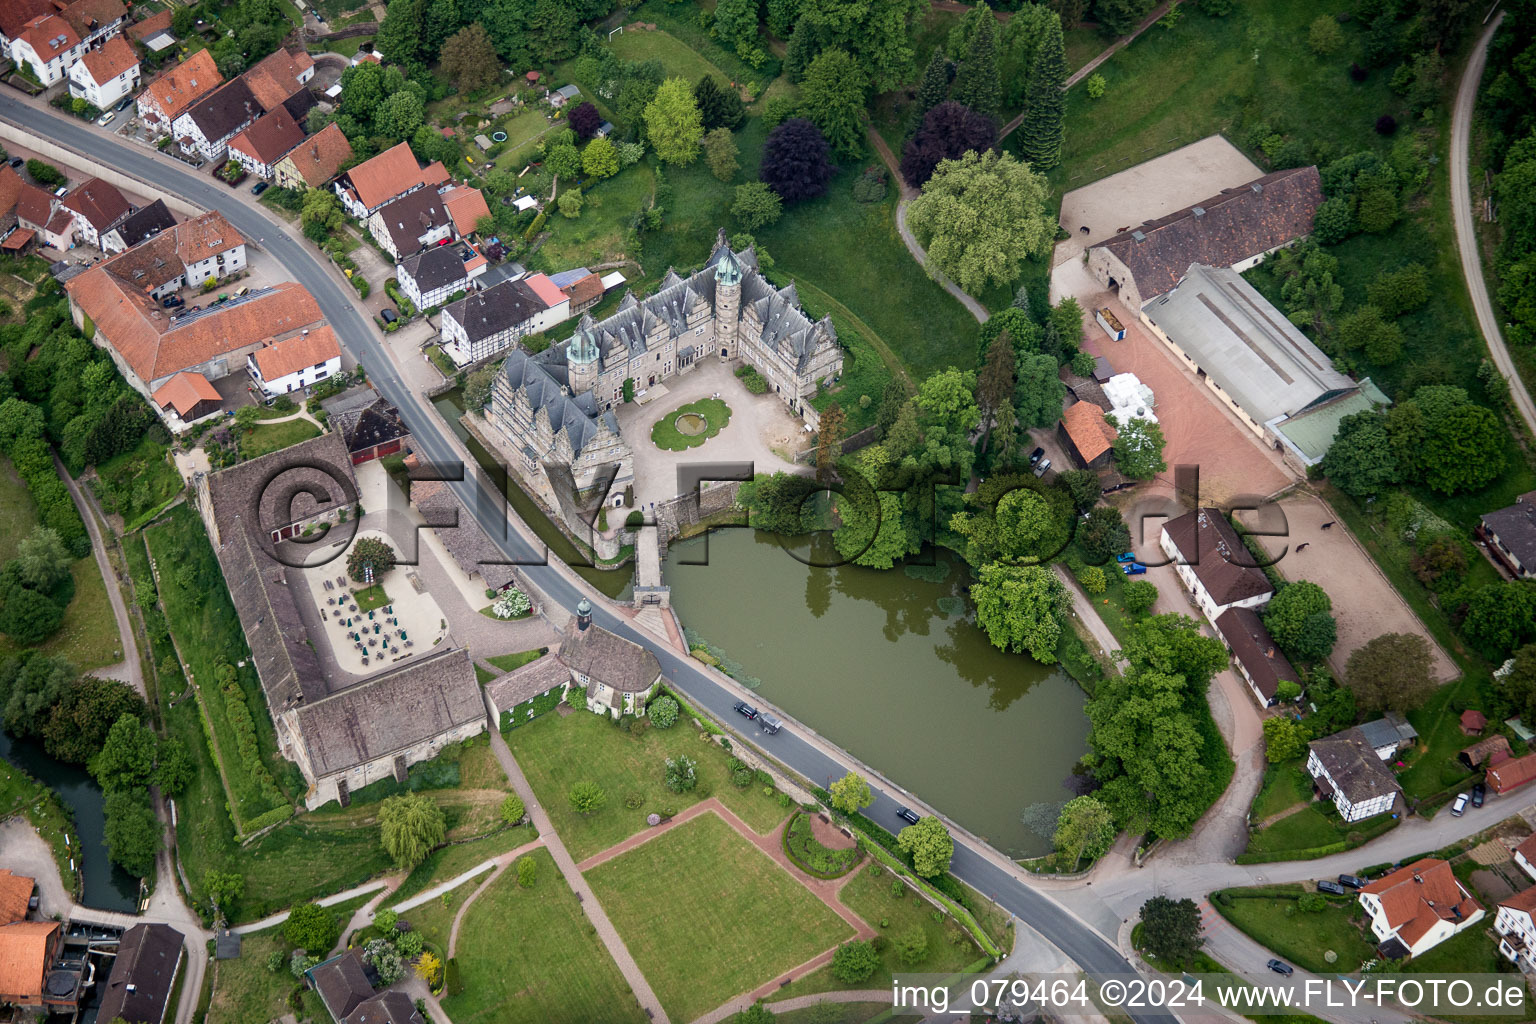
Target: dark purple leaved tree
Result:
[[948, 132], [795, 163], [585, 120]]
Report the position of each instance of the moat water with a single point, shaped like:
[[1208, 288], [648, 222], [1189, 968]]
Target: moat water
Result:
[[893, 669], [106, 885]]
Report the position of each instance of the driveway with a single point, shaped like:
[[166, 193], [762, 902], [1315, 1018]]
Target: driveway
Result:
[[1199, 431], [761, 430], [1150, 190]]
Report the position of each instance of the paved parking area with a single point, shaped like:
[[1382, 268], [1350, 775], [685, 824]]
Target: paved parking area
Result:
[[1365, 604], [1199, 431], [1150, 190], [761, 430]]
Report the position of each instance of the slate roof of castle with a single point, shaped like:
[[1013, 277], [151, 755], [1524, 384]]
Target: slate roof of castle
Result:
[[1229, 227], [575, 416], [249, 500], [391, 712]]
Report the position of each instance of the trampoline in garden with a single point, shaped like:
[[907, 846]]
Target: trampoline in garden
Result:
[[498, 136]]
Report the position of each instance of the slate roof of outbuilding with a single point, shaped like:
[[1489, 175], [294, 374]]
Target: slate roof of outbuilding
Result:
[[609, 658], [465, 540], [1216, 556], [1352, 764], [145, 223], [140, 982], [1515, 526], [528, 681]]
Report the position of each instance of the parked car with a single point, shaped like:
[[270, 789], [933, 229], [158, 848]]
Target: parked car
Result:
[[107, 118], [243, 290], [1125, 556], [768, 723], [388, 315], [127, 102], [172, 301], [1042, 466], [17, 161], [746, 710], [1333, 887], [1353, 881], [1281, 967], [1036, 455], [1133, 569], [61, 192], [908, 815], [258, 188], [1479, 792], [1460, 806]]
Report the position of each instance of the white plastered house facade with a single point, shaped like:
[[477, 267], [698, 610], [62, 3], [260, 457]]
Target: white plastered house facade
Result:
[[102, 95]]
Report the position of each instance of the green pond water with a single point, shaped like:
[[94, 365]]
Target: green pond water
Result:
[[893, 669]]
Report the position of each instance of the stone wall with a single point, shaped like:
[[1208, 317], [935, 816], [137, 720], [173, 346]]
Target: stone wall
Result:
[[50, 150], [676, 514]]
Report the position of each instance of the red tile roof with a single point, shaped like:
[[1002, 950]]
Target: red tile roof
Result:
[[98, 202], [15, 14], [49, 36], [319, 157], [584, 290], [382, 178], [155, 23], [1512, 774], [276, 78], [1419, 895], [183, 391], [466, 206], [15, 891], [1473, 721], [114, 57], [545, 289], [1524, 901], [269, 137], [1088, 430], [183, 85], [1527, 848], [17, 240], [24, 948], [297, 353], [82, 13]]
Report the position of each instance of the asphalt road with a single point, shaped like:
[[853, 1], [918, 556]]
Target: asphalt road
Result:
[[1074, 938], [1466, 233]]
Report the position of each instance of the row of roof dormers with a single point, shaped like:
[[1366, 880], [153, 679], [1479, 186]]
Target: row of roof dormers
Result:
[[786, 328], [576, 417]]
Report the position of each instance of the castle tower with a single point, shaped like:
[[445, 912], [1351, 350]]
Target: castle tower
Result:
[[727, 303], [581, 357]]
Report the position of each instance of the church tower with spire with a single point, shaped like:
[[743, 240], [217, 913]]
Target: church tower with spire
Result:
[[727, 301], [581, 356]]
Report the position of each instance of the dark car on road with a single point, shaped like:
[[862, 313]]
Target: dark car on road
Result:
[[746, 710], [1479, 794], [908, 815], [1353, 881], [17, 161], [1333, 887], [1281, 967]]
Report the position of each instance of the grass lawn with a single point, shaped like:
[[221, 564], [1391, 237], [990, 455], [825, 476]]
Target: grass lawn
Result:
[[556, 752], [597, 235], [135, 484], [1207, 75], [87, 637], [508, 662], [24, 795], [833, 1013], [441, 361], [452, 861], [678, 58], [529, 955], [18, 512], [1285, 786], [739, 920], [1083, 44], [370, 598], [1299, 937], [870, 895], [482, 676], [1300, 830], [1471, 952], [667, 433], [1433, 765], [273, 437]]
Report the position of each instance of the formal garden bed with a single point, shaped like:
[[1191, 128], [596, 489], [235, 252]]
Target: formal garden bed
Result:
[[739, 921], [818, 848], [528, 955], [689, 426], [629, 767], [1300, 927]]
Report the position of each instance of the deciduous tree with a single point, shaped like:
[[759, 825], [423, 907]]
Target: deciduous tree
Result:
[[981, 217], [878, 35], [1170, 929], [756, 205], [850, 794], [132, 831], [673, 124], [1019, 607], [720, 153], [1138, 448], [370, 556], [600, 160], [584, 120], [468, 59], [1103, 534], [411, 825], [1360, 462], [311, 928], [929, 844], [1289, 617], [795, 163], [1390, 673], [1284, 739], [832, 98], [948, 132], [127, 758], [854, 962], [586, 797], [1086, 829]]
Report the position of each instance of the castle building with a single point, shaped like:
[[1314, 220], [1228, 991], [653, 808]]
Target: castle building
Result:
[[556, 407]]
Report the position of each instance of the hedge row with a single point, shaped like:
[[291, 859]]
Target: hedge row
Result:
[[238, 714], [34, 463], [1305, 854]]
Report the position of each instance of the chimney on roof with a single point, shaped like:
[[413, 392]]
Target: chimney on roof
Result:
[[1199, 211], [1418, 878], [1139, 237], [1270, 653], [1258, 187]]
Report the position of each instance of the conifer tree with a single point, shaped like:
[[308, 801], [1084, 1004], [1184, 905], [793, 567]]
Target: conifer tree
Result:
[[976, 81], [1041, 133], [935, 85]]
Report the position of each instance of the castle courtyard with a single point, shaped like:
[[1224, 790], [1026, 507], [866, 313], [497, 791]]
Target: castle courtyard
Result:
[[761, 431]]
